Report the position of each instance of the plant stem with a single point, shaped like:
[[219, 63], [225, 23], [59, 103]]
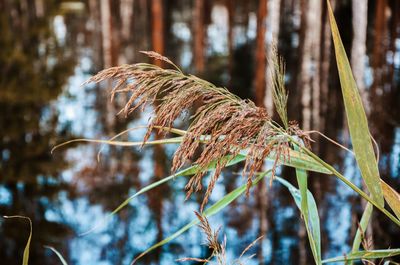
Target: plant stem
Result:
[[340, 176], [352, 186]]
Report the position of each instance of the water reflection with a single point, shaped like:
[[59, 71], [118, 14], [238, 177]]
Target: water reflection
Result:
[[48, 49]]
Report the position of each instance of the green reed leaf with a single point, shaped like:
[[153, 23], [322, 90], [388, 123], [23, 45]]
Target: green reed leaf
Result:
[[28, 243], [370, 254], [61, 258], [303, 161], [313, 236], [185, 172], [230, 197], [362, 227], [297, 160], [356, 117], [173, 140], [392, 197], [215, 208], [309, 211]]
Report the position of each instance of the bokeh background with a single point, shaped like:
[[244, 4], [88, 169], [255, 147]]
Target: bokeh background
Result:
[[49, 47]]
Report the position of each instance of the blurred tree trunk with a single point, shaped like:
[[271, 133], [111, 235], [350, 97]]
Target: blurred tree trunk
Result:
[[272, 39], [309, 71], [128, 49], [157, 15], [309, 84], [126, 10], [393, 37], [359, 46], [199, 36], [316, 80], [260, 55], [108, 61], [159, 157], [324, 66], [358, 56], [39, 8], [379, 90], [259, 85], [379, 49], [231, 23], [95, 23], [157, 33], [326, 44], [106, 29]]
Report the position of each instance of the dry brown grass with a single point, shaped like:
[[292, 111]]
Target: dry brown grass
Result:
[[218, 249], [224, 123]]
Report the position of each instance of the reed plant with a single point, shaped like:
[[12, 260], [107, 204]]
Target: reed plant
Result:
[[226, 130]]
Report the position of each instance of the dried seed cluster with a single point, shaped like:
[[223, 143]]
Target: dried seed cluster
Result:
[[217, 248], [224, 124]]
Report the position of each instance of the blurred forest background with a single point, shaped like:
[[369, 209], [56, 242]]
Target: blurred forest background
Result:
[[48, 48]]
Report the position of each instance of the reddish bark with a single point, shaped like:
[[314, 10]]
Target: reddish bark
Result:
[[260, 57], [199, 36], [157, 32]]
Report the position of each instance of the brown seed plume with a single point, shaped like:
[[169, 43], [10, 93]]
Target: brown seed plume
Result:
[[223, 125]]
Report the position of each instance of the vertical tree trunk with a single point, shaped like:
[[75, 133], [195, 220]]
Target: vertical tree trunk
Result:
[[259, 85], [379, 45], [326, 43], [358, 55], [309, 82], [315, 24], [260, 64], [309, 72], [95, 22], [108, 60], [199, 36], [393, 37], [157, 14], [272, 39], [157, 32], [231, 20], [359, 46], [126, 10], [106, 29], [304, 50], [159, 157], [39, 6]]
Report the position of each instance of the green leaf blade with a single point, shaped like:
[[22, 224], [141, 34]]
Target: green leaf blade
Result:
[[215, 208], [392, 197], [185, 172], [310, 214], [356, 117], [60, 257], [362, 227], [370, 254], [25, 258]]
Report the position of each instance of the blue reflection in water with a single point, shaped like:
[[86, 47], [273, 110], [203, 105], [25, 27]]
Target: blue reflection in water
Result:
[[88, 190], [5, 196]]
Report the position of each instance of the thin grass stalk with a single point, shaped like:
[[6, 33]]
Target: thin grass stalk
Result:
[[345, 180], [361, 229], [233, 124]]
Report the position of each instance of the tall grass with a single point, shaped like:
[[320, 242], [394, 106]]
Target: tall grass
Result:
[[227, 130]]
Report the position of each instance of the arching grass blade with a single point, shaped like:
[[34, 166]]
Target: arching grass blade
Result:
[[185, 172], [356, 117], [61, 258], [313, 234], [28, 242], [310, 214], [215, 208], [392, 197], [372, 254]]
